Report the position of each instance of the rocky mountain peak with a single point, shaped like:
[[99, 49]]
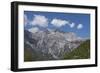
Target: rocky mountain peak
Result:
[[51, 43]]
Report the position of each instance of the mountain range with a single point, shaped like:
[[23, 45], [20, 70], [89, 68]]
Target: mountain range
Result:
[[40, 45]]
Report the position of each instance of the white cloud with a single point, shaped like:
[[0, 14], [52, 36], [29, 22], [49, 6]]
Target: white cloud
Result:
[[80, 26], [25, 20], [59, 22], [71, 25], [34, 29], [40, 20]]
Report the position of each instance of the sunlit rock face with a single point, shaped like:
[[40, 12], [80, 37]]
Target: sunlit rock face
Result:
[[50, 44]]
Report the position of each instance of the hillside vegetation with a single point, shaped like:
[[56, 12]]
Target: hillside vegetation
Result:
[[82, 52]]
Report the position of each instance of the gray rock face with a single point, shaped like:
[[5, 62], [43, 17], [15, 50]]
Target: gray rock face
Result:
[[51, 44]]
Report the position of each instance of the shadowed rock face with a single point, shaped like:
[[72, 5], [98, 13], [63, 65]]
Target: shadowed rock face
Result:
[[50, 45]]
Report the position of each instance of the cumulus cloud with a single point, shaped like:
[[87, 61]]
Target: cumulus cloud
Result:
[[80, 26], [34, 29], [25, 20], [71, 25], [59, 22], [40, 20]]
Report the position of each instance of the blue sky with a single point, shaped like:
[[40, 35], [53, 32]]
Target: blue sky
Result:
[[66, 22]]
